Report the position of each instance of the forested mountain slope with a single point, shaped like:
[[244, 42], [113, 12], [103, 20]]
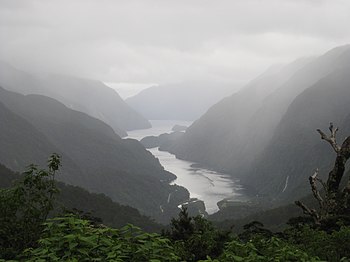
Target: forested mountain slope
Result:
[[98, 205], [93, 156]]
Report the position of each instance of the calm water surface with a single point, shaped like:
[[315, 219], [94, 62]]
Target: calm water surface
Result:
[[204, 184]]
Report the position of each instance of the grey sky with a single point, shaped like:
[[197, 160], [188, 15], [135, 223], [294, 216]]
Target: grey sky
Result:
[[150, 41]]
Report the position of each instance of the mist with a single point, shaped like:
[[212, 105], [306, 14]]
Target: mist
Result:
[[164, 42]]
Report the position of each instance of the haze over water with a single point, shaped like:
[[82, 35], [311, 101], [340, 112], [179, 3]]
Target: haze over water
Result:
[[204, 184]]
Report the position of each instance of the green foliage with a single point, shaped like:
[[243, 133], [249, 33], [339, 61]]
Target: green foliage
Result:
[[25, 206], [263, 250], [253, 229], [72, 239], [182, 228], [330, 246], [195, 237]]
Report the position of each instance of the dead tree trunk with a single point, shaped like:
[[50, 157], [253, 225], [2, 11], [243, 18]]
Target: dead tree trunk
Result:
[[335, 201]]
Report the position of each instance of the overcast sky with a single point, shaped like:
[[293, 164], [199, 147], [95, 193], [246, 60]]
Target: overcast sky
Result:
[[149, 41]]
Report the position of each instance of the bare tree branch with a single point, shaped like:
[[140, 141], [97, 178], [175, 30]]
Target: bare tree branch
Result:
[[335, 201], [324, 185], [332, 140], [307, 211]]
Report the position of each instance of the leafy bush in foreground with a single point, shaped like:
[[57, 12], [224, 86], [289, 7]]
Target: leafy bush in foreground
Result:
[[329, 246], [263, 250], [72, 239]]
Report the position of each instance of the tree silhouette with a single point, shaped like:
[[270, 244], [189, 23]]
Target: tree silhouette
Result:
[[333, 200]]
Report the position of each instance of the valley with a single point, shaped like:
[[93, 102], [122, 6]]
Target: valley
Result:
[[204, 184]]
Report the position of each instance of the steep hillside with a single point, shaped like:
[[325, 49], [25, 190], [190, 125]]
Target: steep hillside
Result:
[[183, 101], [94, 157], [220, 137], [88, 96], [22, 143], [98, 205], [236, 130], [296, 149]]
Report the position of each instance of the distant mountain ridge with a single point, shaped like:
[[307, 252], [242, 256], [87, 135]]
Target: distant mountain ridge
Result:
[[89, 96], [93, 156], [182, 101]]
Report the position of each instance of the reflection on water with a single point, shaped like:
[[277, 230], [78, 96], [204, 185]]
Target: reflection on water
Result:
[[204, 184]]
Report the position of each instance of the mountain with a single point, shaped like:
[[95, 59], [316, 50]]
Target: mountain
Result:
[[89, 96], [296, 149], [98, 205], [183, 101], [265, 134], [94, 157], [220, 137]]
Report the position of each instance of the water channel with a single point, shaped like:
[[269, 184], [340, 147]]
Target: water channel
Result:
[[207, 185]]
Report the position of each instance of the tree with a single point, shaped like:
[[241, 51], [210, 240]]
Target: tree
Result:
[[254, 228], [182, 228], [25, 206], [333, 201], [195, 238]]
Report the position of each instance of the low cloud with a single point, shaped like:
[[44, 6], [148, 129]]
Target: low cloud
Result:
[[157, 41]]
